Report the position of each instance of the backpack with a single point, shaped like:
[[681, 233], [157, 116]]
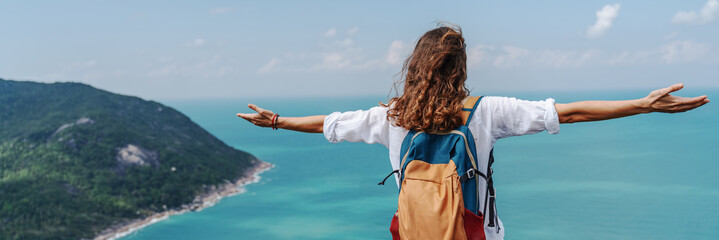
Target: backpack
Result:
[[439, 194]]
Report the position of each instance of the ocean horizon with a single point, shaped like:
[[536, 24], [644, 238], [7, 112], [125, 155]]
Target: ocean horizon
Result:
[[651, 176]]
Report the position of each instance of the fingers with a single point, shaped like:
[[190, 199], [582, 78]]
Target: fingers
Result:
[[257, 109], [254, 107], [264, 112], [672, 88], [687, 107], [254, 118], [261, 118], [700, 99], [246, 116], [685, 100], [250, 117], [683, 104]]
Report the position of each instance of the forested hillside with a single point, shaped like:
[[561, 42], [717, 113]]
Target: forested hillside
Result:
[[75, 159]]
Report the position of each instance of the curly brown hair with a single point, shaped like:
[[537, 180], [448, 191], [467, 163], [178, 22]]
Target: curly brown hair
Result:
[[434, 76]]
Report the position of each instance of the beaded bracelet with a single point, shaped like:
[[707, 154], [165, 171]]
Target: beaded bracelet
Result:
[[274, 121]]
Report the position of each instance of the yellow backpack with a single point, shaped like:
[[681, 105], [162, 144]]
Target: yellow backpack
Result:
[[439, 196]]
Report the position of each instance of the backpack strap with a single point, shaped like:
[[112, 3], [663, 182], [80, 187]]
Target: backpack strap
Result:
[[468, 110]]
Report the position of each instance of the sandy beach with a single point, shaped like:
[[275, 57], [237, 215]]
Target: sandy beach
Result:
[[210, 197]]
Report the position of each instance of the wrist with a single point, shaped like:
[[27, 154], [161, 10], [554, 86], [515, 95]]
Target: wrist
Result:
[[280, 123], [643, 105]]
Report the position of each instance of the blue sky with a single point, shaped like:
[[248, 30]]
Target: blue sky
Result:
[[165, 50]]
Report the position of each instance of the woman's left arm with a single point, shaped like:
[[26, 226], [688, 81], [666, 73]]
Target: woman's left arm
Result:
[[659, 100], [263, 118]]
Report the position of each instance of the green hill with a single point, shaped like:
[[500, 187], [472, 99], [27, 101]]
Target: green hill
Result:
[[75, 160]]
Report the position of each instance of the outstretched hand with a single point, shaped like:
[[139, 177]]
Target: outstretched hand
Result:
[[661, 100], [262, 118]]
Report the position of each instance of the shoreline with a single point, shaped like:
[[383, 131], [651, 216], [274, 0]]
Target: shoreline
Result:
[[211, 196]]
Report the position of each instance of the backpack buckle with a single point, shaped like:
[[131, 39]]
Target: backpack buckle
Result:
[[468, 175], [471, 173]]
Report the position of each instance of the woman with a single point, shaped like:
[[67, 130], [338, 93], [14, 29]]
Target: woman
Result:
[[433, 99]]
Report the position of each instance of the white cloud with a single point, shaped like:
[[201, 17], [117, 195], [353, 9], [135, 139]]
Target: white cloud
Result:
[[330, 33], [196, 42], [338, 55], [512, 56], [605, 17], [680, 51], [219, 10], [347, 42], [488, 56], [332, 61], [627, 58], [563, 58], [517, 57], [341, 56], [478, 54], [352, 31], [204, 67], [683, 51], [707, 14], [270, 66], [396, 52]]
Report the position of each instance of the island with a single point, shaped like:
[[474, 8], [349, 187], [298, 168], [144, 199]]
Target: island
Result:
[[77, 162]]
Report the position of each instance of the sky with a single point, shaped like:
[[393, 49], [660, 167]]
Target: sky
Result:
[[167, 50]]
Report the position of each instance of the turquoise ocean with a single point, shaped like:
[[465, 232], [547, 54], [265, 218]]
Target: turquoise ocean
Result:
[[652, 176]]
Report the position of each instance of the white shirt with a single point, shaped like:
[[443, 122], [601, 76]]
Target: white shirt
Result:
[[494, 118]]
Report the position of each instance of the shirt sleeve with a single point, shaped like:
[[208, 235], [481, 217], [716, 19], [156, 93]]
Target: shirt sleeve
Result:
[[515, 117], [370, 126]]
